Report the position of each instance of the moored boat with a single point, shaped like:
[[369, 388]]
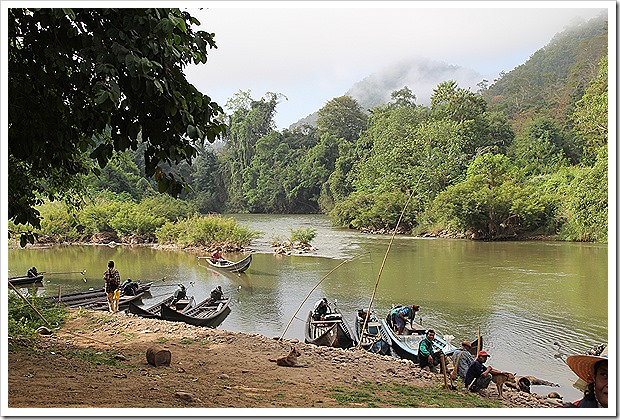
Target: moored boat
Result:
[[374, 338], [86, 297], [154, 311], [234, 267], [208, 313], [406, 345], [331, 331], [21, 280]]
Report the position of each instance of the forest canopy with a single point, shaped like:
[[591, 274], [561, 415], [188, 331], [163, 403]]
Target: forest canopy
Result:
[[523, 156]]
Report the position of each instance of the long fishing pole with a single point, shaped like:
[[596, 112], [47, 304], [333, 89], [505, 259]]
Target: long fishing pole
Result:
[[372, 298], [312, 290], [63, 272]]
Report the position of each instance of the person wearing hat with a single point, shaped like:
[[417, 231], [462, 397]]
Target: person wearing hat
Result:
[[478, 375], [461, 359], [593, 371]]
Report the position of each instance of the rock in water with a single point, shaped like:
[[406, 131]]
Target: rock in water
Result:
[[156, 356]]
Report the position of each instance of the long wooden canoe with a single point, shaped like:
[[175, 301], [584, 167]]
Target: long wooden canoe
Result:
[[20, 280], [234, 267], [207, 313], [154, 311]]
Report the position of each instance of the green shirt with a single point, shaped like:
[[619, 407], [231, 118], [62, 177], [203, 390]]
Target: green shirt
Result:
[[426, 348]]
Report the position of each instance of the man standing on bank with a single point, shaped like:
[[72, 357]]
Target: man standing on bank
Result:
[[112, 286]]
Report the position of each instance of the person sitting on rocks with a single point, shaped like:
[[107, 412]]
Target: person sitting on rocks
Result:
[[461, 359], [478, 375]]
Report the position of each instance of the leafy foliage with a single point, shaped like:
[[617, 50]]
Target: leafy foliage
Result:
[[23, 321], [302, 235], [100, 78], [205, 231]]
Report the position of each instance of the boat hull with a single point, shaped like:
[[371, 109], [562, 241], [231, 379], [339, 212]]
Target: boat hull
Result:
[[405, 346], [204, 314], [233, 267], [17, 281], [328, 333]]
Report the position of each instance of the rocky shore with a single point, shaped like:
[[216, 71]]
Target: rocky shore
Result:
[[96, 351]]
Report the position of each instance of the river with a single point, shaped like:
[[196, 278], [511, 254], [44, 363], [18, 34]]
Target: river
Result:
[[524, 296]]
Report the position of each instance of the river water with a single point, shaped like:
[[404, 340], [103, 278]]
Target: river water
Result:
[[524, 296]]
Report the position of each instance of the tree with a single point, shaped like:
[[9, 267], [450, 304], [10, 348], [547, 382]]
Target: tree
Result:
[[341, 117], [591, 111], [75, 74]]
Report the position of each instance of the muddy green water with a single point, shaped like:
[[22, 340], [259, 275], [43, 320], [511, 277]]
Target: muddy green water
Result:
[[524, 296]]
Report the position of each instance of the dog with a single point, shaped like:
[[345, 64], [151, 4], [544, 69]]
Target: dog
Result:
[[289, 360], [500, 379]]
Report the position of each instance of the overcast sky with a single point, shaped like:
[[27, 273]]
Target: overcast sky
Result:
[[314, 51]]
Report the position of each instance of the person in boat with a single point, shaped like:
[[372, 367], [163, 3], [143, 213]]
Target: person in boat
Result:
[[112, 280], [426, 356], [216, 294], [401, 314], [129, 288], [478, 375], [321, 308], [461, 359], [32, 272], [217, 255], [593, 371], [179, 294]]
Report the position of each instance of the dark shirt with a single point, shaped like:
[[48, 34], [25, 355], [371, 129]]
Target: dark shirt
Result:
[[474, 372], [112, 280]]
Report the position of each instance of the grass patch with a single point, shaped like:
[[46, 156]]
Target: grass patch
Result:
[[188, 341], [399, 395], [95, 357]]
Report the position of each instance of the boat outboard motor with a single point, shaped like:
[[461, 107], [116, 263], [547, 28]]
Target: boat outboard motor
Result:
[[216, 294], [179, 294], [32, 272]]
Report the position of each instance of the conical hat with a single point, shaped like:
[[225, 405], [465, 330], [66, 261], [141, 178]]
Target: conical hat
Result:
[[583, 365]]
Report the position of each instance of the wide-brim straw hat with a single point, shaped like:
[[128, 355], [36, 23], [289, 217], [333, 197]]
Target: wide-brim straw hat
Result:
[[583, 365]]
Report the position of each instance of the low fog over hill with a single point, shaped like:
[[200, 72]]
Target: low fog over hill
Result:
[[421, 76]]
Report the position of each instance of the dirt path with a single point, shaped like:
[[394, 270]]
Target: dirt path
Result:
[[97, 355]]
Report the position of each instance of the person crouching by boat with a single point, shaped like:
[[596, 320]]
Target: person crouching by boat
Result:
[[428, 360], [478, 375], [321, 308], [112, 280], [592, 370], [401, 314], [216, 255], [32, 272]]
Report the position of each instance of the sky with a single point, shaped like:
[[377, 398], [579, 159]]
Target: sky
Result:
[[312, 52]]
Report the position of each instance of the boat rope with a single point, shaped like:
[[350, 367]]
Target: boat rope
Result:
[[310, 292], [374, 292]]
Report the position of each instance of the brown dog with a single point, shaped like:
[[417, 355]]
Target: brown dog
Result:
[[500, 379], [289, 360]]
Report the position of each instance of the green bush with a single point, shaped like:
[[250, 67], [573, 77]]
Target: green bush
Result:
[[302, 235], [23, 321], [205, 231]]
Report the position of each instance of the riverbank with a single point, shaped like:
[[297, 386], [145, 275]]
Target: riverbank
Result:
[[94, 352]]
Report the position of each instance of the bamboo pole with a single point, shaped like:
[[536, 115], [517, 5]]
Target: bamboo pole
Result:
[[30, 304], [479, 342], [443, 366], [374, 292], [310, 292]]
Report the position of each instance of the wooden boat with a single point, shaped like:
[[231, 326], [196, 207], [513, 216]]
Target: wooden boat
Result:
[[102, 304], [92, 295], [208, 313], [331, 332], [233, 267], [405, 346], [374, 339], [154, 311], [20, 280]]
